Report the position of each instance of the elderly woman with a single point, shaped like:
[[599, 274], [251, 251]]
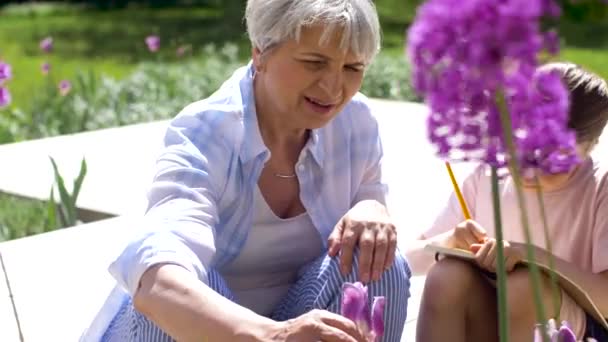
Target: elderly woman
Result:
[[268, 196]]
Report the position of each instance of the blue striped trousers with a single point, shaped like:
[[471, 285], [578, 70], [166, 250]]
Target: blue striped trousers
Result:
[[318, 287]]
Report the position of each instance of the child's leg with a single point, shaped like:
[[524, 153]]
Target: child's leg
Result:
[[458, 304], [520, 300]]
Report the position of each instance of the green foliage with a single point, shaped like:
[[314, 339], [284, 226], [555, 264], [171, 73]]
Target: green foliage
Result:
[[388, 77], [64, 213], [20, 217]]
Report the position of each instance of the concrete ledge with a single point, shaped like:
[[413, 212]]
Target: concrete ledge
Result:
[[59, 279]]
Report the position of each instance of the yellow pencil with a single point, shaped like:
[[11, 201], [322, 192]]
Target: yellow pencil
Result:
[[463, 204]]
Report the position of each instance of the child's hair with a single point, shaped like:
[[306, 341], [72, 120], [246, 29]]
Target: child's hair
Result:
[[588, 113]]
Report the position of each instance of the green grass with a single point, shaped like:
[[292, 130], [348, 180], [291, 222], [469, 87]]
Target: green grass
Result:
[[110, 42]]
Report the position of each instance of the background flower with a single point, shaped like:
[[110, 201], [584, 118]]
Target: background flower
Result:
[[45, 68], [64, 87], [5, 97], [5, 72], [153, 43], [46, 44]]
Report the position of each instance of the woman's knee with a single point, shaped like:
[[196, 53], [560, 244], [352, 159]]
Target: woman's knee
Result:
[[398, 275]]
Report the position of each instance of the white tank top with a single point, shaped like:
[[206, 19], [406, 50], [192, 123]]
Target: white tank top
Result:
[[270, 259]]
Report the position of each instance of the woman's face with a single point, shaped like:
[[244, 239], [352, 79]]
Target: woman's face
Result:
[[305, 82]]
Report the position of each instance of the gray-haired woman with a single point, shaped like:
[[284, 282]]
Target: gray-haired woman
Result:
[[268, 196]]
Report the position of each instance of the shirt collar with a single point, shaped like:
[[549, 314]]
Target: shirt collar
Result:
[[252, 145]]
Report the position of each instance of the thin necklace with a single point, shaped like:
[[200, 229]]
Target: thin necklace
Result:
[[281, 175]]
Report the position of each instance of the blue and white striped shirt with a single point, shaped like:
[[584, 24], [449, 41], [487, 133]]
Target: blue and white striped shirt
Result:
[[200, 202]]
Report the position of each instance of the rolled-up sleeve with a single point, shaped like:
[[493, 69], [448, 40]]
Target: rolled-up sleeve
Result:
[[179, 226]]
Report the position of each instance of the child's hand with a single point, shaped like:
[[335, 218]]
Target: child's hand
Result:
[[486, 255], [465, 235]]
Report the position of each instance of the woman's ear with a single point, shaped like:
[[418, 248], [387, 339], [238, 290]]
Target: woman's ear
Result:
[[258, 60]]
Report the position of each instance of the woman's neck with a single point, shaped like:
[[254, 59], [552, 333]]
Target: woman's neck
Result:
[[274, 129]]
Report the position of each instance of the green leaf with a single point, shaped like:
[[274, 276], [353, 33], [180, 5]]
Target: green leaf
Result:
[[51, 223], [78, 182], [66, 201]]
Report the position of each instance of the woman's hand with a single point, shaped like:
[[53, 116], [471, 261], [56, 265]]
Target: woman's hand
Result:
[[369, 226], [316, 325], [486, 255], [466, 234]]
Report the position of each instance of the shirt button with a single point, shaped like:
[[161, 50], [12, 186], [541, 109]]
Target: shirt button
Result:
[[301, 167]]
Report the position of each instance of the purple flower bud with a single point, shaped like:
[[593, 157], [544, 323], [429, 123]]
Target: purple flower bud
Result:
[[355, 302], [153, 43], [5, 97], [5, 72], [378, 316], [565, 334], [64, 87], [45, 68], [46, 44]]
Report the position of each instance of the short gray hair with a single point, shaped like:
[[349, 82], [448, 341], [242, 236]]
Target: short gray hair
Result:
[[270, 22]]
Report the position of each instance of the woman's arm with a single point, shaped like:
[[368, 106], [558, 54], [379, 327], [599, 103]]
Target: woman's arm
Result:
[[189, 310]]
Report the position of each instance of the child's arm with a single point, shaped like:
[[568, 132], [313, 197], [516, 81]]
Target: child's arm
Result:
[[445, 226]]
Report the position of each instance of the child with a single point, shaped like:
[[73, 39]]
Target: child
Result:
[[459, 300]]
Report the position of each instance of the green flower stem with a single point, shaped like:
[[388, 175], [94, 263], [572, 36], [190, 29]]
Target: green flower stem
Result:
[[505, 120], [503, 320], [553, 276]]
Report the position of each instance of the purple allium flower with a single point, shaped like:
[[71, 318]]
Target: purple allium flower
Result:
[[46, 44], [5, 72], [153, 43], [45, 68], [563, 334], [64, 87], [5, 97], [355, 306], [466, 54]]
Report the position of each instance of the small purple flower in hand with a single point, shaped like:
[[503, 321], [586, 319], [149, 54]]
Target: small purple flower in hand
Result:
[[46, 44], [5, 72], [64, 87], [563, 334], [355, 306], [153, 43]]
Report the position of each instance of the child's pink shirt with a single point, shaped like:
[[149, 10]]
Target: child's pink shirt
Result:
[[577, 217]]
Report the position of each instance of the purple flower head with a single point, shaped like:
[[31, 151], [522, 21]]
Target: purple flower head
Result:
[[64, 87], [355, 306], [5, 97], [45, 68], [153, 43], [46, 44], [467, 55], [5, 72]]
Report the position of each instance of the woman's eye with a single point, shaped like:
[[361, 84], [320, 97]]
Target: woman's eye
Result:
[[352, 68], [315, 63]]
